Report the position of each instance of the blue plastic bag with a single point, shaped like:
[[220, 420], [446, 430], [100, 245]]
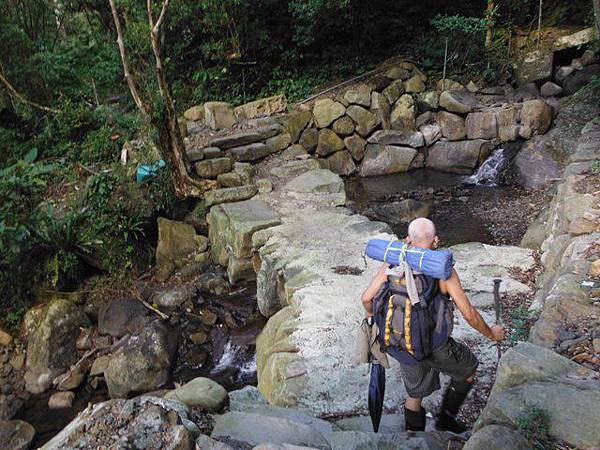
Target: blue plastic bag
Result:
[[434, 263], [147, 171]]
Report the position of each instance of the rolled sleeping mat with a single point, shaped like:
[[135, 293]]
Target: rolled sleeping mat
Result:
[[434, 263]]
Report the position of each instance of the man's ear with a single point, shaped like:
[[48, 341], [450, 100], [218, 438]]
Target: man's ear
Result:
[[436, 241]]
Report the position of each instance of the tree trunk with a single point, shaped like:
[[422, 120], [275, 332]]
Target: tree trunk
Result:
[[596, 4], [539, 28], [490, 30]]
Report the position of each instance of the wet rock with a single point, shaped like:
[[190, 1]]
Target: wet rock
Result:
[[357, 146], [534, 66], [219, 115], [533, 376], [580, 78], [343, 126], [497, 437], [328, 142], [195, 113], [481, 125], [365, 120], [61, 400], [534, 167], [309, 139], [5, 338], [452, 125], [403, 114], [390, 137], [143, 422], [229, 195], [262, 107], [399, 212], [326, 111], [210, 168], [279, 142], [431, 133], [239, 269], [385, 160], [317, 182], [461, 102], [393, 92], [143, 364], [342, 163], [550, 89], [16, 435], [173, 296], [122, 316], [294, 168], [293, 151], [51, 347], [458, 156], [294, 123], [201, 393], [177, 241], [359, 95], [536, 117]]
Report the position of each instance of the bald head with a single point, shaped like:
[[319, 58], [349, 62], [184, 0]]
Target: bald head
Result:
[[421, 232]]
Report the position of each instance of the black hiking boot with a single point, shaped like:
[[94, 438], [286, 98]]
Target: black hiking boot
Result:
[[455, 395], [414, 420]]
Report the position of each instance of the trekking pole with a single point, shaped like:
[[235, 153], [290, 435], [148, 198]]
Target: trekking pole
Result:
[[497, 282]]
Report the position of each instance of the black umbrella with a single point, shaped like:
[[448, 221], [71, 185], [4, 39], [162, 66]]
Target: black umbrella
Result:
[[376, 393]]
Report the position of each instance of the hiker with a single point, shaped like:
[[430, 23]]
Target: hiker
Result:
[[421, 375]]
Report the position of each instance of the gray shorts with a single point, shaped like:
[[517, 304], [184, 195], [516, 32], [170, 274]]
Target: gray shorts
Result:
[[452, 358]]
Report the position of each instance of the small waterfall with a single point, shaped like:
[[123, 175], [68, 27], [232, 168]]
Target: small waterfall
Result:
[[488, 173]]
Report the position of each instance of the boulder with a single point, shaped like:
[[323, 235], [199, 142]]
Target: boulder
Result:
[[342, 163], [245, 137], [51, 346], [16, 435], [210, 168], [447, 84], [459, 156], [536, 117], [403, 138], [309, 139], [195, 113], [343, 126], [386, 159], [202, 393], [174, 296], [561, 73], [507, 121], [534, 66], [252, 152], [399, 212], [357, 146], [403, 114], [5, 338], [452, 125], [481, 125], [212, 153], [429, 100], [325, 111], [194, 154], [144, 363], [393, 92], [580, 78], [293, 151], [472, 87], [576, 39], [229, 179], [461, 102], [329, 142], [262, 107], [550, 89], [530, 376], [359, 95], [143, 422], [70, 380], [431, 133], [497, 437], [397, 73], [294, 123], [240, 269], [293, 168], [177, 242], [424, 119], [365, 120], [219, 115], [381, 108], [534, 167], [232, 225], [320, 181], [122, 316], [279, 142]]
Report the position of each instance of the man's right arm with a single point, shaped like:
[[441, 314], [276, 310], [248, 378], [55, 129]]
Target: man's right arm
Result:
[[453, 287]]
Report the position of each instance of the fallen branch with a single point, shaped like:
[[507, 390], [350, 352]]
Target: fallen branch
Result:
[[161, 314], [16, 95]]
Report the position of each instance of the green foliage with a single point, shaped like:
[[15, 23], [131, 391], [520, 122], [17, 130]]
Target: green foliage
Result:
[[534, 424], [450, 25], [521, 321]]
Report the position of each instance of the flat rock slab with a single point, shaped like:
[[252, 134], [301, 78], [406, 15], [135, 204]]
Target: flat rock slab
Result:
[[317, 181], [245, 137], [356, 440]]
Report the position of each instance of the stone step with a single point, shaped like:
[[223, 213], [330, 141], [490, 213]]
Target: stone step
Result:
[[251, 152], [246, 137], [229, 195]]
